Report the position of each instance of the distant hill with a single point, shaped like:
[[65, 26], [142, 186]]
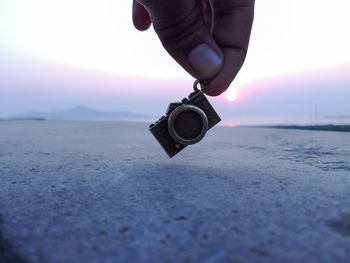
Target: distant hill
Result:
[[80, 113]]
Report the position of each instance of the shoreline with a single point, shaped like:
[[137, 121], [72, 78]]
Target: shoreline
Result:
[[329, 127]]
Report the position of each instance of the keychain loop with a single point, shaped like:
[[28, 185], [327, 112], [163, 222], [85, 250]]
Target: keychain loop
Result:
[[203, 84]]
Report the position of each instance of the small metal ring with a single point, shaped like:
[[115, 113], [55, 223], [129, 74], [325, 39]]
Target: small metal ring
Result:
[[203, 84]]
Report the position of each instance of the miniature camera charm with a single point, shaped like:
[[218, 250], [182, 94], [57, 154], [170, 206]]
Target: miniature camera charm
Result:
[[185, 122]]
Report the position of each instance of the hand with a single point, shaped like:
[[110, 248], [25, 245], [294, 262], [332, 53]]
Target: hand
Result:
[[208, 38]]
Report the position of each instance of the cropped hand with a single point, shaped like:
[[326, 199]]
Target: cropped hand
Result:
[[208, 38]]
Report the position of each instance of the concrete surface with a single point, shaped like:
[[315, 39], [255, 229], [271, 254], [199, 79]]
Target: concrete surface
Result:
[[106, 192]]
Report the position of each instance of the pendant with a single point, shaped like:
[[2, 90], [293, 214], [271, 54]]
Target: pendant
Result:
[[185, 122]]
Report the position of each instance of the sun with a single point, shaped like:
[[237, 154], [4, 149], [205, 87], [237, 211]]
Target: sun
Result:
[[231, 95]]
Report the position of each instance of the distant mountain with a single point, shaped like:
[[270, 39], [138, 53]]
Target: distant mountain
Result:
[[80, 113]]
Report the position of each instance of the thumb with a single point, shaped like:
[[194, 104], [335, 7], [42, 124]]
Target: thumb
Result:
[[182, 31]]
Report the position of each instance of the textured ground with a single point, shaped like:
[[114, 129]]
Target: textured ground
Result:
[[106, 192]]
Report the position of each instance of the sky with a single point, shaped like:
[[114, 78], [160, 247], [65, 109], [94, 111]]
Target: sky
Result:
[[56, 54]]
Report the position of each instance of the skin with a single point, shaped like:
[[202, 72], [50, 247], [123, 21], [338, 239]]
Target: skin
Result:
[[181, 25]]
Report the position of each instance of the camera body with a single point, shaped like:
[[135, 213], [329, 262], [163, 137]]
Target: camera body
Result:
[[184, 123]]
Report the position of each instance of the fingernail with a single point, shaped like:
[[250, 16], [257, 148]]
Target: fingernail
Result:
[[205, 61]]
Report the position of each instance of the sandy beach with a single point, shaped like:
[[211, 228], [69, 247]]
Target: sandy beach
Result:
[[106, 192]]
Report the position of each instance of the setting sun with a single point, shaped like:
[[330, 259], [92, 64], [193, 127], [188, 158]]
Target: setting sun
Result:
[[231, 94]]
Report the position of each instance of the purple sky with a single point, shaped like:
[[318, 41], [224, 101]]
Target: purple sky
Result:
[[297, 61], [30, 84]]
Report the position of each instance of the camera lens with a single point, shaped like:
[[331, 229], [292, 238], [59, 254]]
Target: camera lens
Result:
[[187, 124]]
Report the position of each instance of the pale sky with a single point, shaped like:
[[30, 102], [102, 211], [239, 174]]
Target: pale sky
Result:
[[289, 36]]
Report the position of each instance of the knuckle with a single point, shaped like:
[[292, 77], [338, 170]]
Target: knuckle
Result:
[[177, 33]]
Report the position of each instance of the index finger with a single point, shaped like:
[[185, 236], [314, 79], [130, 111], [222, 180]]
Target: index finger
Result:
[[232, 24]]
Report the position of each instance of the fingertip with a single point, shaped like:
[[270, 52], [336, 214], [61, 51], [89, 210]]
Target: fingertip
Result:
[[140, 17], [214, 91], [233, 62], [142, 23], [216, 87]]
